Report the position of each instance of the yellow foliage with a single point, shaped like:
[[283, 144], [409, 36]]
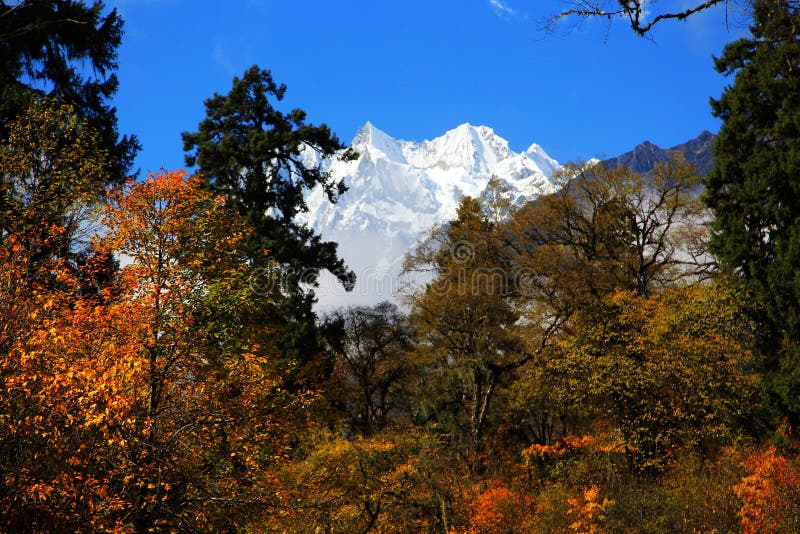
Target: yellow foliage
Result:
[[588, 511]]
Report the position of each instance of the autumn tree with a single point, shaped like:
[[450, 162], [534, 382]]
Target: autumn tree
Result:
[[50, 171], [611, 229], [603, 231], [398, 482], [644, 354], [162, 405], [52, 175], [465, 321], [671, 371], [65, 50], [500, 509], [212, 381], [770, 493], [508, 282], [374, 364]]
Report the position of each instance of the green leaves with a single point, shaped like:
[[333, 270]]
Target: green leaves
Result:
[[258, 157], [753, 188], [252, 153]]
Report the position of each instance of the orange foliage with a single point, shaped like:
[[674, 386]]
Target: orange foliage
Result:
[[498, 510], [588, 511], [160, 404], [568, 445], [770, 494]]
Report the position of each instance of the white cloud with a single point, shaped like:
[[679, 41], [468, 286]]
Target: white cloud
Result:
[[503, 9]]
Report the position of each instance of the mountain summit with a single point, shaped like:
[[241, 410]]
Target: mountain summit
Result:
[[399, 189], [644, 157], [421, 183]]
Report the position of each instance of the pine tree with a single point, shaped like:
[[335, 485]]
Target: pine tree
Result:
[[47, 48], [257, 157], [754, 188]]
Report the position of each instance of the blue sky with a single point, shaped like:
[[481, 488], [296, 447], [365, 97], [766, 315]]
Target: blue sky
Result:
[[418, 68]]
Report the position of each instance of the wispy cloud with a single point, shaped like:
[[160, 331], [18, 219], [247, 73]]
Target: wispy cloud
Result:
[[708, 28], [503, 9], [646, 10], [220, 56]]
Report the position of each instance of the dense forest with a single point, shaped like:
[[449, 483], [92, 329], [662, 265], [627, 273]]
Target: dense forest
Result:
[[622, 355]]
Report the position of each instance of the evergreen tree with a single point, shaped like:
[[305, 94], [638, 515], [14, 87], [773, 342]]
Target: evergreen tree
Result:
[[754, 188], [258, 158], [67, 50]]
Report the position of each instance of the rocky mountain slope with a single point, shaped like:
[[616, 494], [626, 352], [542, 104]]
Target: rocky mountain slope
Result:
[[644, 157]]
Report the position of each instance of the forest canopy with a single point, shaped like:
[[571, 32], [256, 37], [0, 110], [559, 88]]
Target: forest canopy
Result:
[[616, 355]]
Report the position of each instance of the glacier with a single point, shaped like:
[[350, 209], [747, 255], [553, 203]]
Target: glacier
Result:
[[398, 190]]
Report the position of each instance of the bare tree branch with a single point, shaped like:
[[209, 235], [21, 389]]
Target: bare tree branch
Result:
[[641, 15]]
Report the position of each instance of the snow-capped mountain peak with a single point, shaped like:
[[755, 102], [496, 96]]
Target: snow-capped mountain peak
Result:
[[547, 164], [371, 139], [399, 189], [475, 149]]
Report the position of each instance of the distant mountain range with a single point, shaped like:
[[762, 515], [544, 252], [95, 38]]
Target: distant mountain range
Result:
[[400, 189], [645, 156]]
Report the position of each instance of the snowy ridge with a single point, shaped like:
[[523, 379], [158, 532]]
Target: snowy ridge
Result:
[[399, 189]]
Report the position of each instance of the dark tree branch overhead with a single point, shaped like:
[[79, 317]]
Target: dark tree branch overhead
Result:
[[641, 15]]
